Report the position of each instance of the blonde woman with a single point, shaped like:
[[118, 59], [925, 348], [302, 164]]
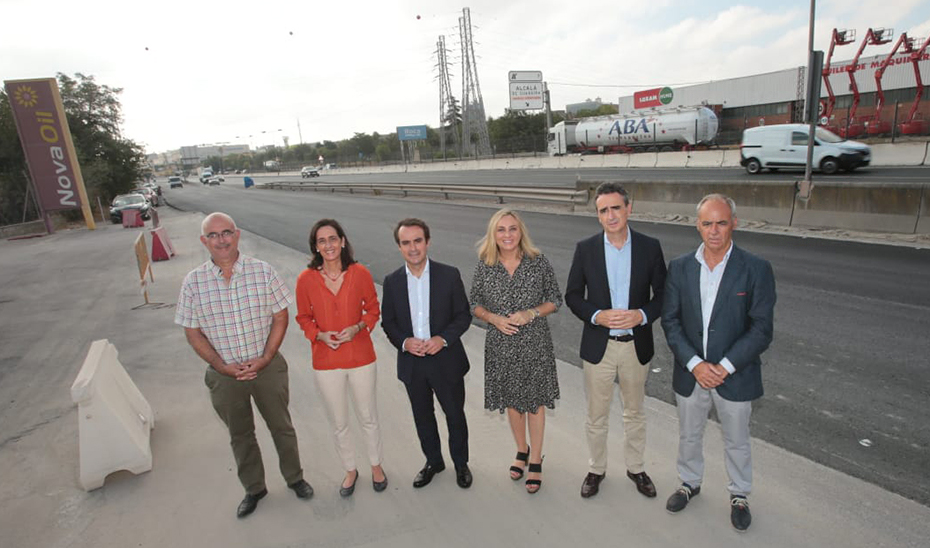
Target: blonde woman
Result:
[[513, 290]]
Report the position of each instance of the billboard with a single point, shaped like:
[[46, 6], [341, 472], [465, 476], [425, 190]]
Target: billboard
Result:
[[653, 97], [46, 139], [411, 133]]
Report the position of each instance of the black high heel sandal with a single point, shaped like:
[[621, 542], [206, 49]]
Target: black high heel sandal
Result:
[[516, 469], [534, 485]]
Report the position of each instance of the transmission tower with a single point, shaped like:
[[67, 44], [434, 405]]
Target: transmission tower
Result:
[[446, 101], [474, 122]]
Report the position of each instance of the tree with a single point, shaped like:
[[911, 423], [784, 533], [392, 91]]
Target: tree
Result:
[[109, 163]]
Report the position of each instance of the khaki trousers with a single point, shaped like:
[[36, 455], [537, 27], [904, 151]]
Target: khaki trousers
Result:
[[362, 382], [232, 401], [619, 361]]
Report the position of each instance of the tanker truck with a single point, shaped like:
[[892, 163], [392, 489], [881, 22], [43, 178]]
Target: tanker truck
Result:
[[665, 130]]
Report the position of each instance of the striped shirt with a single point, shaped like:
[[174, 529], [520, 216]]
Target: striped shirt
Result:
[[235, 318]]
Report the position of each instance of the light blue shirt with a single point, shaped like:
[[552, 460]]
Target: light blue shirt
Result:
[[418, 295], [619, 264], [710, 284]]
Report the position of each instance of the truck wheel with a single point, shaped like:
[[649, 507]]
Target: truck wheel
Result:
[[829, 166], [753, 166]]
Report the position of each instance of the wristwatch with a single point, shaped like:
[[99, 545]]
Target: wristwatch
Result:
[[535, 313]]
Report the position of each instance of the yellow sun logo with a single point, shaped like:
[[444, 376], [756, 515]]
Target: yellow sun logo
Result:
[[26, 96]]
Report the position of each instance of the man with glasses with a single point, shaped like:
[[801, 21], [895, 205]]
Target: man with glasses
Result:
[[234, 312]]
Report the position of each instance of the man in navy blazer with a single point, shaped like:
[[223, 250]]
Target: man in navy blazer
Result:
[[718, 319], [615, 288], [424, 311]]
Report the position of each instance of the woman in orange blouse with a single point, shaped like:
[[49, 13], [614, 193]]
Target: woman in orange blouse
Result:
[[337, 308]]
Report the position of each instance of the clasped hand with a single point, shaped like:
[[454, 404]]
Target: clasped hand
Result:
[[709, 375], [333, 339], [510, 325], [245, 371], [617, 318], [421, 347]]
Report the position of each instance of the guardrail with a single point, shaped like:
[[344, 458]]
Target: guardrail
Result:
[[569, 196]]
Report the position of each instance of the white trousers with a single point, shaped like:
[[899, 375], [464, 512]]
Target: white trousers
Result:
[[334, 386], [734, 422], [619, 362]]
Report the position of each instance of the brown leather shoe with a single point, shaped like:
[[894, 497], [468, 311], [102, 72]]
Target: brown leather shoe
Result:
[[643, 484], [590, 486]]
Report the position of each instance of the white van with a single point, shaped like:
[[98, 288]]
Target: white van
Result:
[[785, 146]]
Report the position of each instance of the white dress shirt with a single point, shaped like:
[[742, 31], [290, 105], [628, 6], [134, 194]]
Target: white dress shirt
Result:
[[418, 295], [710, 284]]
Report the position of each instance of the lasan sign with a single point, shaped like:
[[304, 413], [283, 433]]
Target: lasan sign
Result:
[[653, 97]]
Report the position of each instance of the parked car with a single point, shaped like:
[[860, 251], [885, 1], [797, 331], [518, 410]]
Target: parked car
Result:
[[149, 194], [785, 146], [129, 201], [153, 186], [309, 171], [175, 182]]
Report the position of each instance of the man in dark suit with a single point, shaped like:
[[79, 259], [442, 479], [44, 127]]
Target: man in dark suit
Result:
[[718, 319], [424, 311], [615, 287]]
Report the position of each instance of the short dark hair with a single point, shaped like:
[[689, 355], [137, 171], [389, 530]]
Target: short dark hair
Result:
[[611, 187], [345, 256], [411, 221]]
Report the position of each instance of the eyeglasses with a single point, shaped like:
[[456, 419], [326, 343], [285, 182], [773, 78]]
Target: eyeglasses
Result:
[[224, 234]]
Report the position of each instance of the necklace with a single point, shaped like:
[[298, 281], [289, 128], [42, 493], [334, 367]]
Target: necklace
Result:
[[331, 278]]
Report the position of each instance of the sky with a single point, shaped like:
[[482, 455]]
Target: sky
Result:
[[207, 72]]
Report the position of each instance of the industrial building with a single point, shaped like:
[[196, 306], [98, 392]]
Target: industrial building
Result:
[[778, 97]]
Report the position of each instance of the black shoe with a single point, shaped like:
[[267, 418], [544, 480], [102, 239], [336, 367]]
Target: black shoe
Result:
[[463, 476], [643, 483], [516, 472], [347, 491], [534, 485], [302, 489], [679, 499], [426, 474], [250, 503], [591, 484], [379, 485], [739, 513]]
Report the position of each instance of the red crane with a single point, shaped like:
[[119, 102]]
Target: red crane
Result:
[[910, 126], [855, 128], [876, 126], [840, 38]]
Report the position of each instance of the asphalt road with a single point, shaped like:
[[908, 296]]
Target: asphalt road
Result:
[[567, 177], [846, 378]]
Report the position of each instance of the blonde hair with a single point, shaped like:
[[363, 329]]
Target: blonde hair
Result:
[[487, 246]]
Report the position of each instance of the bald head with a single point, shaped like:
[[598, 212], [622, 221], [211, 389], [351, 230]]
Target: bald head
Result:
[[212, 217]]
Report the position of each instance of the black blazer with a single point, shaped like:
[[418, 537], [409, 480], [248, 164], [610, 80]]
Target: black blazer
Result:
[[587, 291], [741, 324], [449, 317]]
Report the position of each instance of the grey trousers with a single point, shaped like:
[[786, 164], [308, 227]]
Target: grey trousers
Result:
[[734, 422]]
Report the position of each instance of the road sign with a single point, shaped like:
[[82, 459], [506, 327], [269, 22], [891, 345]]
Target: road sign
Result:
[[526, 95], [525, 76], [411, 133]]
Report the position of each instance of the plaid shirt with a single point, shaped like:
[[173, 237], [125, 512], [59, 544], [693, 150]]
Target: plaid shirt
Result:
[[235, 318]]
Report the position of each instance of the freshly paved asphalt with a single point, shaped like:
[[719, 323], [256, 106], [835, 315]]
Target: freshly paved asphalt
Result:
[[567, 177], [846, 378]]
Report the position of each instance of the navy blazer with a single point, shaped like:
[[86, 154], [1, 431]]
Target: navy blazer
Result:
[[588, 291], [741, 323], [449, 317]]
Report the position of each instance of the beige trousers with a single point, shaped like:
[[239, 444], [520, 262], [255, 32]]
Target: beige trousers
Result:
[[334, 386], [619, 361]]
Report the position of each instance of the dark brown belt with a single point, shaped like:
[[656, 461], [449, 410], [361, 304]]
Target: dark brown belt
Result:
[[620, 338]]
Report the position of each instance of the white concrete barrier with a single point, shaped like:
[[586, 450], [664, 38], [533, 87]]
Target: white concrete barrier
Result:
[[617, 160], [592, 161], [705, 158], [731, 158], [672, 159], [114, 418], [550, 162], [643, 159], [899, 154]]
